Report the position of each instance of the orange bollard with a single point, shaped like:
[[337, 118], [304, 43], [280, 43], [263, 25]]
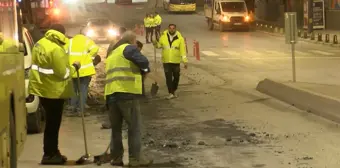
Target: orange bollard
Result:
[[142, 30], [198, 58], [194, 49]]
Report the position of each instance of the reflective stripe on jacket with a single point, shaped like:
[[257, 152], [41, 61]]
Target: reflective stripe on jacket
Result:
[[50, 71], [174, 52], [122, 75], [84, 50]]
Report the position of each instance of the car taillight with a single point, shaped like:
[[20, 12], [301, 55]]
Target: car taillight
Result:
[[27, 73], [30, 98]]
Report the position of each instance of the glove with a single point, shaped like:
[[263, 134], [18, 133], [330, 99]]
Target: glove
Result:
[[97, 60], [76, 65], [154, 42]]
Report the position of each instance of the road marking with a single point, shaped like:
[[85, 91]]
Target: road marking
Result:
[[233, 53], [209, 53], [321, 52], [275, 52], [275, 58], [252, 53], [301, 53]]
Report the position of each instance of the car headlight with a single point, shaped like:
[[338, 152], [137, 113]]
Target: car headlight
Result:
[[90, 33], [247, 18], [113, 32], [27, 73], [225, 19]]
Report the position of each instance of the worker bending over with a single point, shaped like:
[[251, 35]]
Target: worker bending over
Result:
[[122, 91], [158, 22], [50, 80], [83, 50], [173, 52]]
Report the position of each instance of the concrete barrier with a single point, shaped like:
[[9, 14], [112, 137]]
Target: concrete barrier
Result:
[[324, 106]]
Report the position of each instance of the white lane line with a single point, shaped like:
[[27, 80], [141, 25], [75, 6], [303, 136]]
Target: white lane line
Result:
[[276, 58], [252, 53], [232, 53], [209, 53], [301, 53], [275, 52], [321, 52]]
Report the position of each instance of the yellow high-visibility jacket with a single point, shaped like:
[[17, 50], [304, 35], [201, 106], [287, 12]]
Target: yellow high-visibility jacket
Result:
[[174, 53], [50, 71], [158, 20], [122, 75], [84, 50]]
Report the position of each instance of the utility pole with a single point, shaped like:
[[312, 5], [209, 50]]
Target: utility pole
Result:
[[310, 16]]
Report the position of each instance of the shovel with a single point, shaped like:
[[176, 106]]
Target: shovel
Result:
[[83, 159], [154, 86]]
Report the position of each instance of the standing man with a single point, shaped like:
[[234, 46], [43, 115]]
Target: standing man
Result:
[[153, 26], [122, 92], [173, 52], [158, 21], [50, 80], [83, 50], [147, 25]]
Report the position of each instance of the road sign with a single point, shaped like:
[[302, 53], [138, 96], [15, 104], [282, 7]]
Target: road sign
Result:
[[291, 27], [291, 36]]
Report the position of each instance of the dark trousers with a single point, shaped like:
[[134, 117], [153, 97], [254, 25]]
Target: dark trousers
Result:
[[172, 74], [54, 111], [129, 111], [149, 34], [158, 32]]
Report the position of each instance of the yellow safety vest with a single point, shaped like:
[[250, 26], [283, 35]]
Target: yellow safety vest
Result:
[[84, 50], [174, 53], [121, 74], [158, 20]]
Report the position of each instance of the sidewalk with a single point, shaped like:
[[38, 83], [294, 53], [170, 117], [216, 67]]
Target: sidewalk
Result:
[[274, 29], [319, 99]]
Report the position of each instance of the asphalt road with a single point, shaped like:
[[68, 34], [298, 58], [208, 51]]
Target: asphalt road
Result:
[[219, 120]]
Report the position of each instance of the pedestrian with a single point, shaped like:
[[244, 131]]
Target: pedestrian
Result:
[[173, 52], [148, 28], [158, 21], [50, 79], [83, 50], [122, 91]]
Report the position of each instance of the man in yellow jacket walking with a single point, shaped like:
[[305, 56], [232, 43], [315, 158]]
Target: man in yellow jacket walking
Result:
[[173, 53], [50, 79], [83, 50]]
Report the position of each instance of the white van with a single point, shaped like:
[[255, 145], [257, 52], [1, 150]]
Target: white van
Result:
[[227, 14], [35, 113]]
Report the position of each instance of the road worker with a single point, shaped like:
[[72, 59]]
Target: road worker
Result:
[[83, 50], [50, 80], [173, 52], [158, 22], [148, 28], [107, 124], [122, 91]]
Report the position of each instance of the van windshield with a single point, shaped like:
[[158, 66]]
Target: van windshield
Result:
[[233, 6]]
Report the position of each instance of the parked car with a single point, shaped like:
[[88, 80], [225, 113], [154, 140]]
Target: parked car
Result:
[[100, 30], [35, 112]]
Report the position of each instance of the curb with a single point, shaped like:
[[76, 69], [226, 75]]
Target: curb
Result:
[[321, 105]]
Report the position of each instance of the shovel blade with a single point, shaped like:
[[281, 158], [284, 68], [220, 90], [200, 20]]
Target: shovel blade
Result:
[[154, 89]]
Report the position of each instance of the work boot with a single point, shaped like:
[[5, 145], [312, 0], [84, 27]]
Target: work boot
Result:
[[87, 106], [117, 161], [56, 159], [141, 162], [106, 125]]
